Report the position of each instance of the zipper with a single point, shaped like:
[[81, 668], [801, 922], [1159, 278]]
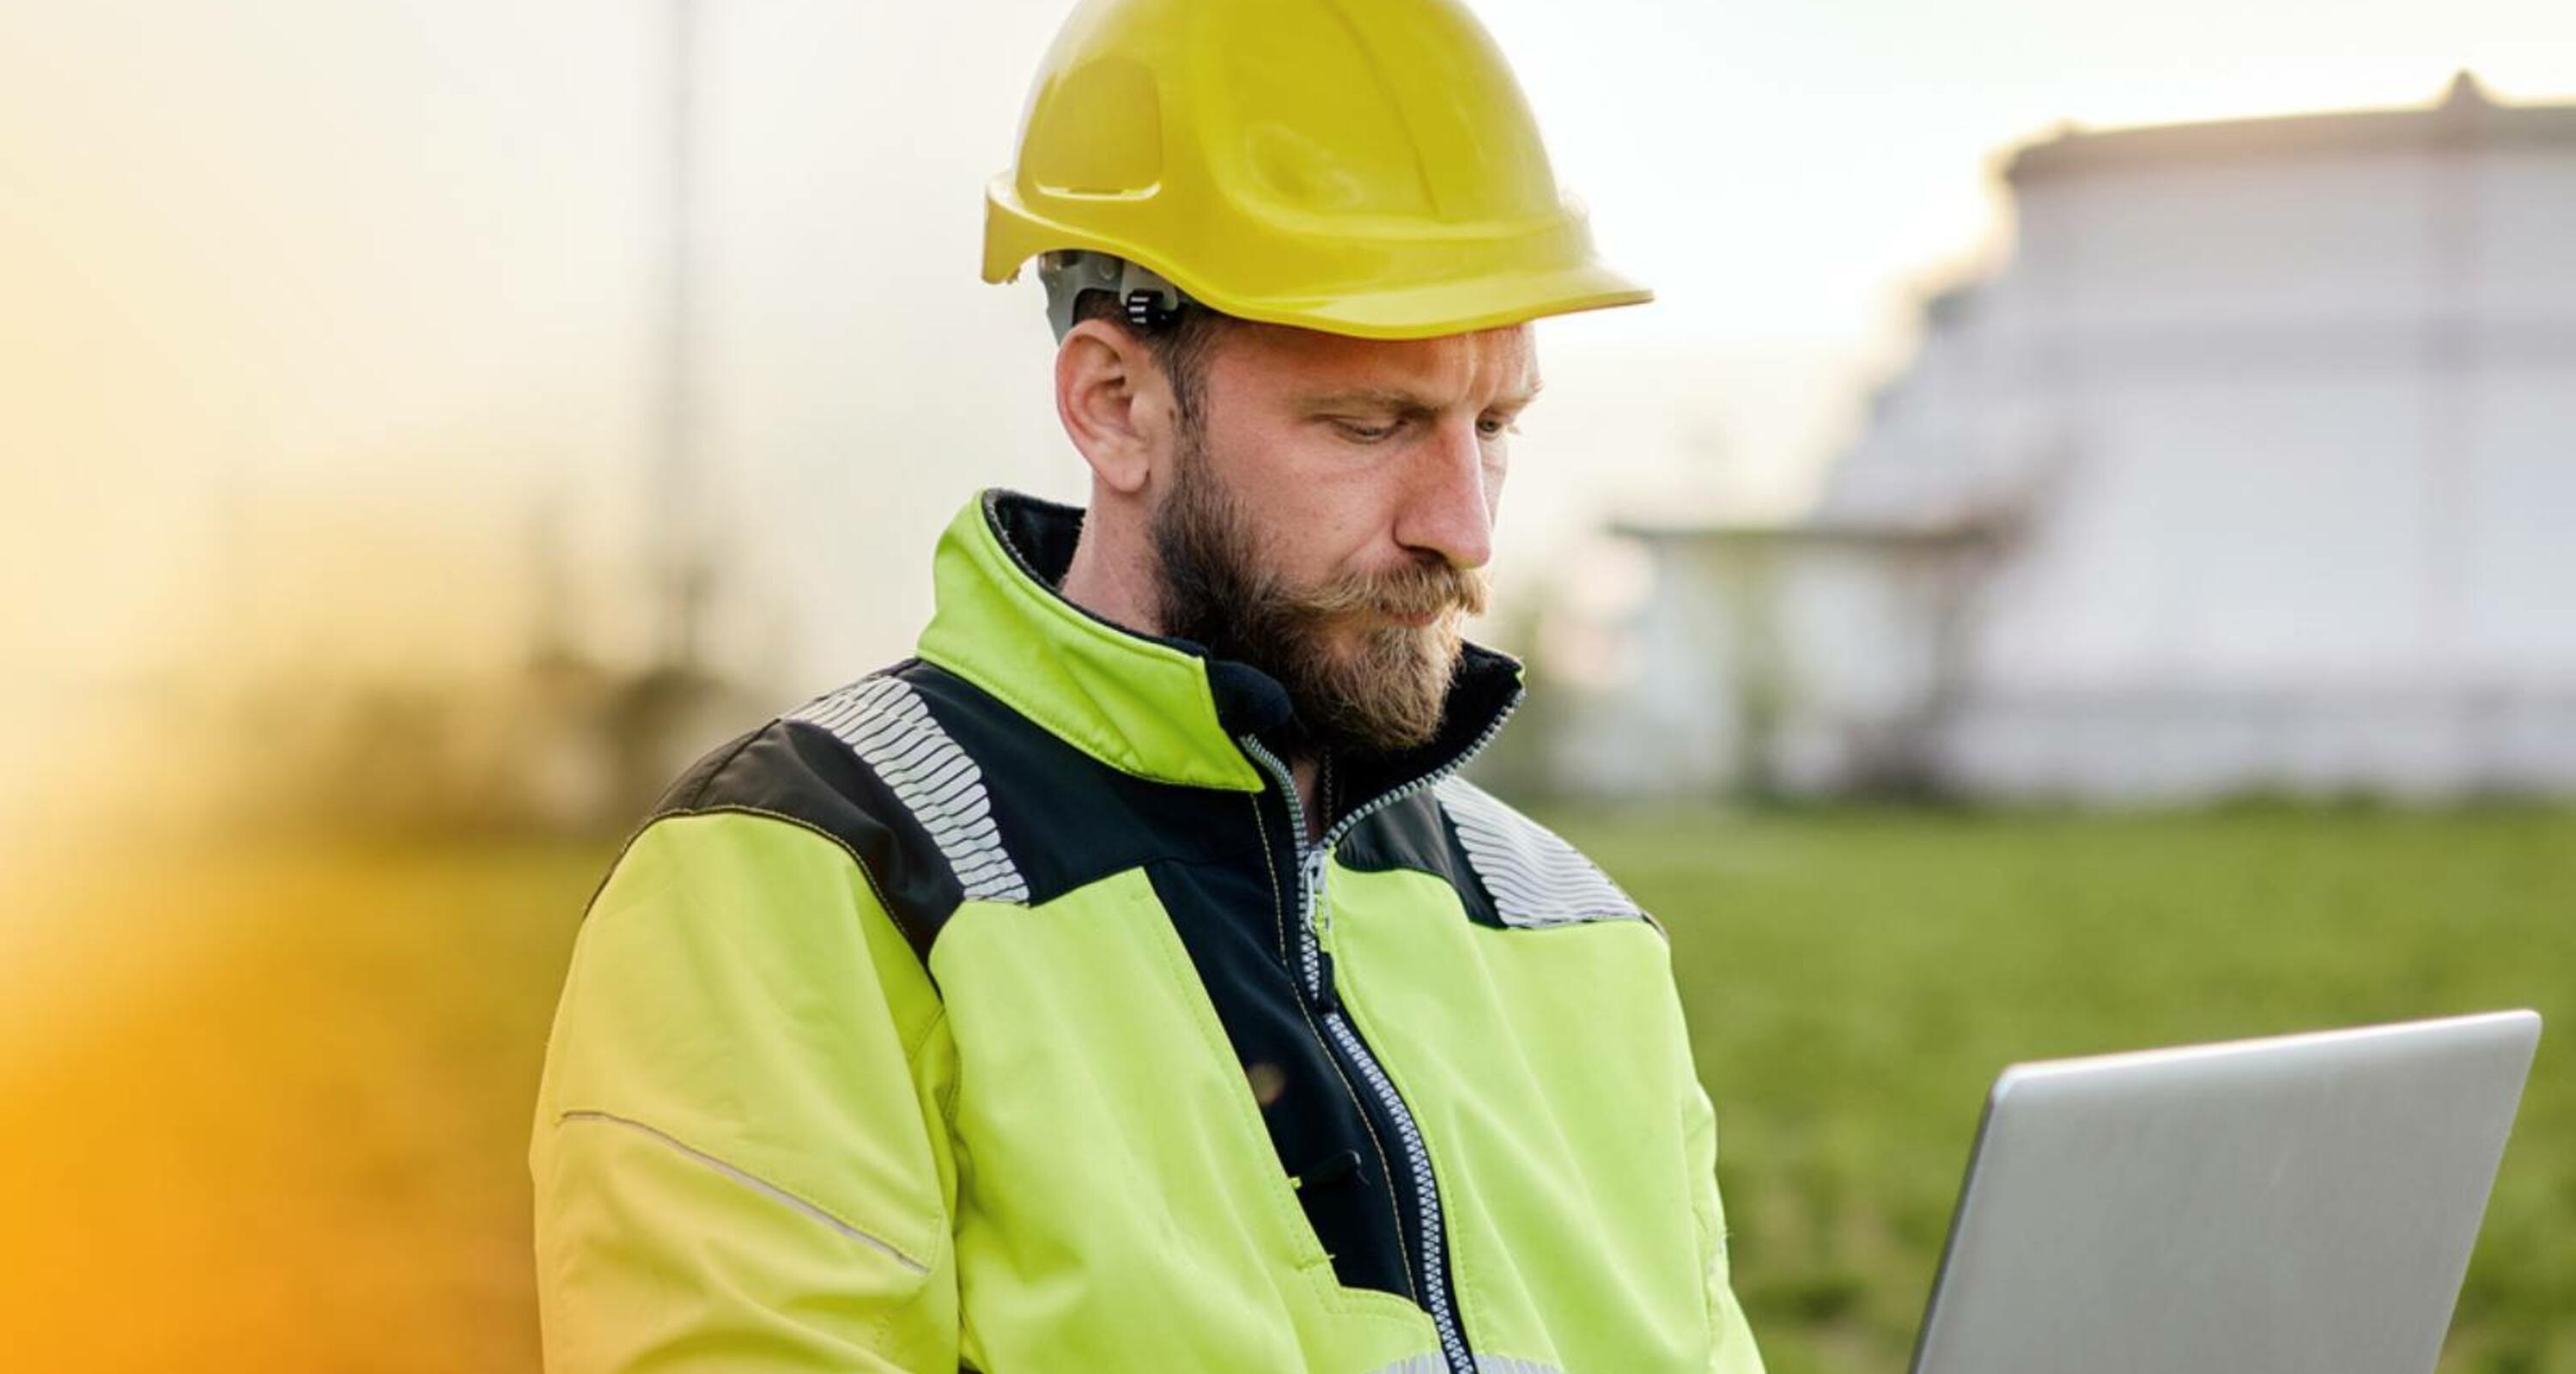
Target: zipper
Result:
[[1312, 863]]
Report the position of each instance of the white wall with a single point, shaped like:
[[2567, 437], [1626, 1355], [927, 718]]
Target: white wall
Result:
[[2294, 439]]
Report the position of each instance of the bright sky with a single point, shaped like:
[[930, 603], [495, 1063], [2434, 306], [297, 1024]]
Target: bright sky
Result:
[[309, 302]]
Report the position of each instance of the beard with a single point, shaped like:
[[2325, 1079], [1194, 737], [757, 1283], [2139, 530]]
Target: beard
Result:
[[1358, 684]]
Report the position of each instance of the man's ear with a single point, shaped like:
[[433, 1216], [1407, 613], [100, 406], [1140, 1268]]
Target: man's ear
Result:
[[1113, 403]]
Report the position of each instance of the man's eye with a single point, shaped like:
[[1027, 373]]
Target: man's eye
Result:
[[1494, 427], [1366, 434]]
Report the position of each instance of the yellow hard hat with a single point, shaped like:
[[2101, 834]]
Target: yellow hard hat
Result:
[[1362, 167]]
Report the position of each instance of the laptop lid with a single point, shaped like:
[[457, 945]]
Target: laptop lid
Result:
[[2298, 1205]]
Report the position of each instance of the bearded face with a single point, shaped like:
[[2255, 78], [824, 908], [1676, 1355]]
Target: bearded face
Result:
[[1365, 657]]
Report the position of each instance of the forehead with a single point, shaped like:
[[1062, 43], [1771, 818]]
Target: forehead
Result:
[[1483, 367]]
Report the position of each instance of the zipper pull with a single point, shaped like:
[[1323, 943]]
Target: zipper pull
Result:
[[1331, 1169], [1318, 909]]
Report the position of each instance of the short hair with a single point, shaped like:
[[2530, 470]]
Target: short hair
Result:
[[1179, 345]]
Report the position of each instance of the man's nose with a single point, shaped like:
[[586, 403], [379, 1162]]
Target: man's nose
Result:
[[1447, 509]]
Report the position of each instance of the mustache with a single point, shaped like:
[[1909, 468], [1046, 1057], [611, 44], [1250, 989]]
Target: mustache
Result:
[[1416, 590]]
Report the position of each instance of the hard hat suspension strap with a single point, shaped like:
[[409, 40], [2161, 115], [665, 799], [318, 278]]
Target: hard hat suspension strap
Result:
[[1147, 301]]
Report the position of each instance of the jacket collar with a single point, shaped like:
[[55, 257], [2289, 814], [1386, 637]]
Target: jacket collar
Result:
[[1155, 707]]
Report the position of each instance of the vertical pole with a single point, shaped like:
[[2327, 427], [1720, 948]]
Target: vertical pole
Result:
[[2450, 449], [2451, 457], [678, 533]]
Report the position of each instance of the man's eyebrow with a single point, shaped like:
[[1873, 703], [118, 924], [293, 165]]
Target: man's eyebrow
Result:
[[1396, 400]]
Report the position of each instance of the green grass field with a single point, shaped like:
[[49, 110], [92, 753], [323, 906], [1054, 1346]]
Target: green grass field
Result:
[[293, 1136], [1855, 981]]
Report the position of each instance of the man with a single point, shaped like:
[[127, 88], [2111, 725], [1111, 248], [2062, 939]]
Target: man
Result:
[[1129, 983]]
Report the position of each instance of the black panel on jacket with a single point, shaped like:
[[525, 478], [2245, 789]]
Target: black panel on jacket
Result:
[[1416, 834], [799, 771], [1315, 1123], [1067, 819], [1228, 889]]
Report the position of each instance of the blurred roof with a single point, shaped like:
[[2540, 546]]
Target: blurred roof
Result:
[[2465, 115], [1842, 532]]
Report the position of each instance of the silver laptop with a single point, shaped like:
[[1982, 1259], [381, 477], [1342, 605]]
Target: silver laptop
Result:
[[2300, 1205]]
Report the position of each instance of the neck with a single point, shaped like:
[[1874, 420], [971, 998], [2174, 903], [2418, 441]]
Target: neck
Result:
[[1112, 573], [1310, 790]]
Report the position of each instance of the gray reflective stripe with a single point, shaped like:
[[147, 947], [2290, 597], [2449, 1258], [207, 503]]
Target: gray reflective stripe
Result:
[[885, 723], [754, 1182], [1534, 878], [1485, 1364]]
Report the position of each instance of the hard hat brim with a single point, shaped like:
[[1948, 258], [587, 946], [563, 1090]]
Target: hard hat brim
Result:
[[1457, 307], [1417, 310]]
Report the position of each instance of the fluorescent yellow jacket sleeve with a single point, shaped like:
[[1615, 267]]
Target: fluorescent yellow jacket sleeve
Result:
[[740, 1156], [1731, 1347]]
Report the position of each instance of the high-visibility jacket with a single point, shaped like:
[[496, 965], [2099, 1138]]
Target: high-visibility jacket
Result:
[[993, 1012]]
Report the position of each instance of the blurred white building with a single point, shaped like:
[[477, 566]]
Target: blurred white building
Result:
[[2254, 469]]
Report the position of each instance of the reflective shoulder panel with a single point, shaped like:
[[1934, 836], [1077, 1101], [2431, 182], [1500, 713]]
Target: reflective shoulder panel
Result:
[[884, 721], [1503, 1364], [1485, 1364], [1533, 877]]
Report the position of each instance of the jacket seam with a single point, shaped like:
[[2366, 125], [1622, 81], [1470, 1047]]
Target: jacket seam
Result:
[[698, 793], [793, 1200], [939, 1016], [1639, 913], [1124, 760], [912, 1049], [1275, 1185], [1058, 608], [1270, 873], [647, 823], [1464, 1282], [911, 936], [1202, 1018], [1710, 1230], [1712, 1246], [1278, 905], [944, 1100]]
